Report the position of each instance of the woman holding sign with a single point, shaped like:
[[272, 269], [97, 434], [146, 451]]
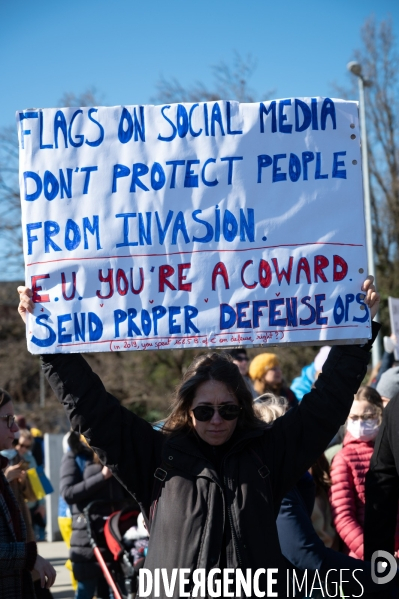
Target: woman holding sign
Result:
[[211, 482]]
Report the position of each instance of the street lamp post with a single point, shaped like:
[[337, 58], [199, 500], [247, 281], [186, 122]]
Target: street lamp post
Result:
[[42, 396], [356, 69]]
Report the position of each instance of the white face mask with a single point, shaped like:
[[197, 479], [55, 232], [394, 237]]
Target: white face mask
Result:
[[364, 430]]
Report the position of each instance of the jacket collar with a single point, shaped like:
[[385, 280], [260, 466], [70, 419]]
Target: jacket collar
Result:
[[350, 440], [184, 452]]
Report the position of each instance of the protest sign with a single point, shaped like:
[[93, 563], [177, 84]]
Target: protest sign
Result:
[[393, 303], [193, 225]]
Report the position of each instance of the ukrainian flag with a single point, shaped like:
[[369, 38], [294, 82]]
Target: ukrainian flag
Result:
[[41, 485]]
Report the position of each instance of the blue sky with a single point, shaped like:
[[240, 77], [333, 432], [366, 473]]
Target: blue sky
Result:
[[122, 47]]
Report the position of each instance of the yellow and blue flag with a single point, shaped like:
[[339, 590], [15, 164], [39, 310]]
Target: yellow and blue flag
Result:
[[41, 485]]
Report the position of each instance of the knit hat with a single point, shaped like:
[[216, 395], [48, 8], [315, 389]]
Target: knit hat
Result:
[[388, 385], [261, 364]]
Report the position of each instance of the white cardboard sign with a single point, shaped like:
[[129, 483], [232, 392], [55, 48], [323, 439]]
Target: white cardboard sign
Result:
[[193, 225]]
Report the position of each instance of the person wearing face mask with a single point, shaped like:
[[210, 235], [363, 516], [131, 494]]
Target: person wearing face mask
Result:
[[349, 468]]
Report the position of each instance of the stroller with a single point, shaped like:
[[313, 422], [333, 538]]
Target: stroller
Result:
[[124, 540]]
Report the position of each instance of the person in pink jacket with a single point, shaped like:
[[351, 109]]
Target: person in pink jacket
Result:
[[349, 468]]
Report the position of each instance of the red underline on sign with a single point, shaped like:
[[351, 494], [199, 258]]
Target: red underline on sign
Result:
[[346, 326], [265, 247]]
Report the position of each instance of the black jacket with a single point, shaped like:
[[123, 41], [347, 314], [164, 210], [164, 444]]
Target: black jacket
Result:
[[382, 485], [193, 502], [82, 482]]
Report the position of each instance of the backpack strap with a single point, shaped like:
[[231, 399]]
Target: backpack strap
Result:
[[263, 471], [160, 475]]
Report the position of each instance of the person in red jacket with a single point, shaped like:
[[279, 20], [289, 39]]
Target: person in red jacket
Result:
[[349, 468]]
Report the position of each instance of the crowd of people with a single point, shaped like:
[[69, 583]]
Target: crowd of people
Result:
[[245, 472], [321, 521]]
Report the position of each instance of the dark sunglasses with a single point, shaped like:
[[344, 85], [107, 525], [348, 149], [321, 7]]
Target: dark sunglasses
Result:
[[227, 412], [242, 359], [10, 420]]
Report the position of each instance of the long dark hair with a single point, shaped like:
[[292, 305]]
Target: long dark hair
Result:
[[321, 474], [4, 397], [210, 367]]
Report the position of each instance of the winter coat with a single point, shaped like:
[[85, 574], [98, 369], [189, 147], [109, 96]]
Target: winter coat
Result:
[[387, 361], [347, 495], [289, 396], [382, 486], [199, 514], [81, 482], [17, 558]]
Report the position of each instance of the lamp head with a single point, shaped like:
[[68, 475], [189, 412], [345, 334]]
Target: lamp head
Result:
[[355, 68]]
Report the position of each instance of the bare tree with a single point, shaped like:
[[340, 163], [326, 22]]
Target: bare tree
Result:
[[11, 256], [379, 58], [230, 82], [90, 97]]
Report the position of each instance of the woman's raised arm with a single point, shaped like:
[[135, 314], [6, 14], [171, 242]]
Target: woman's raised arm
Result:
[[126, 443], [304, 432]]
